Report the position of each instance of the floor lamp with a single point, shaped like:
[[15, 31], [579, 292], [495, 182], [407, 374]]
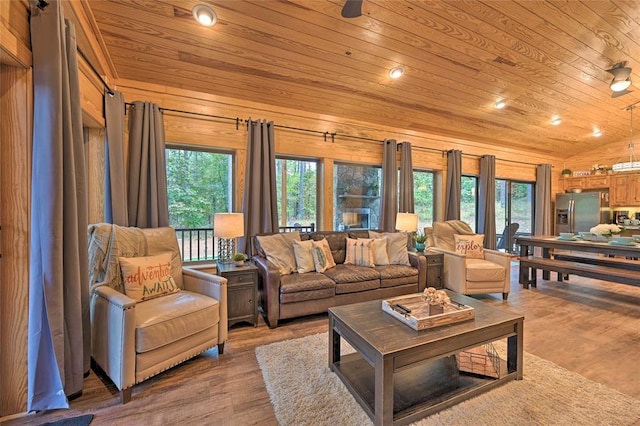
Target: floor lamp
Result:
[[227, 227]]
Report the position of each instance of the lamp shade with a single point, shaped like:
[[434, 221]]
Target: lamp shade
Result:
[[228, 225], [407, 222]]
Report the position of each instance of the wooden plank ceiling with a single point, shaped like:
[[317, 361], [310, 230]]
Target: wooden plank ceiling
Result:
[[545, 58]]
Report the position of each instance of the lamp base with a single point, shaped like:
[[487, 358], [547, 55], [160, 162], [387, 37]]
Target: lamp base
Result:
[[226, 249]]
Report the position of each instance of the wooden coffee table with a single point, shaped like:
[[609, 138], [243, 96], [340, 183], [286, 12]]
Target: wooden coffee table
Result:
[[399, 375]]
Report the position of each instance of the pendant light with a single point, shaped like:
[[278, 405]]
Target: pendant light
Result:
[[632, 164]]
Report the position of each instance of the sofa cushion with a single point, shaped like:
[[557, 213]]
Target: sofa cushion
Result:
[[337, 241], [167, 319], [147, 277], [470, 245], [305, 282], [357, 286], [345, 273], [395, 275], [359, 252], [322, 256], [304, 296], [443, 233], [278, 249], [309, 286], [483, 270], [304, 258], [397, 243]]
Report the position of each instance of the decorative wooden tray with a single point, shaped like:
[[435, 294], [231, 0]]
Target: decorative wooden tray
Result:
[[419, 317]]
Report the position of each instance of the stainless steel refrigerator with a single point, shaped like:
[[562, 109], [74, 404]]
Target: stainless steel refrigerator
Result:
[[581, 212]]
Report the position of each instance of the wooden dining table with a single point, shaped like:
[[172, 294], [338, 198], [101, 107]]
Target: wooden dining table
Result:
[[618, 263]]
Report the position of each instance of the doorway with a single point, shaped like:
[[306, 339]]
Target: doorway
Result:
[[514, 212]]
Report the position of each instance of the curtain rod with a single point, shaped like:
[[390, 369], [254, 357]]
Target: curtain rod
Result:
[[238, 120], [95, 71]]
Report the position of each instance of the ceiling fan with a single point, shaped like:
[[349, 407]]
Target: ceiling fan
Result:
[[352, 9], [621, 79]]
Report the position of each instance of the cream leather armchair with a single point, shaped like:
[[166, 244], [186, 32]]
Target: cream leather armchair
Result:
[[132, 341], [492, 274]]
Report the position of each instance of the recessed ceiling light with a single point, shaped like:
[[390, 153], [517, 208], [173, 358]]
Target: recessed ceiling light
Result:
[[556, 120], [597, 132], [396, 72], [500, 104], [205, 15]]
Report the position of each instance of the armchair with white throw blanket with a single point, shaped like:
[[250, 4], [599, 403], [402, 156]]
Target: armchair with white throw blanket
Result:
[[148, 313], [468, 267]]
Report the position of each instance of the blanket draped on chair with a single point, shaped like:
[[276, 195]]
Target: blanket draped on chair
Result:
[[107, 242]]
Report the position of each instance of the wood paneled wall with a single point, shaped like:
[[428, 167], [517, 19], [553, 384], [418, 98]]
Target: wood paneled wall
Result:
[[606, 154], [15, 41], [15, 193]]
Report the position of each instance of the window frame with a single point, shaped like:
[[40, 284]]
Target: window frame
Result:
[[283, 201], [181, 233]]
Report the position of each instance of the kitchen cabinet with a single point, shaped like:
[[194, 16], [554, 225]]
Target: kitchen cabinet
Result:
[[625, 190], [586, 182], [574, 182]]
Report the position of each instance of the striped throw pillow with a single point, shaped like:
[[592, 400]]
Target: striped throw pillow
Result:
[[360, 252]]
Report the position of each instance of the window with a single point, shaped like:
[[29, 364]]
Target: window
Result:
[[199, 184], [297, 191], [357, 197], [469, 201], [424, 193], [514, 205]]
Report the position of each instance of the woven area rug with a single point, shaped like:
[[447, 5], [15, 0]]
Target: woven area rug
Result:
[[304, 391]]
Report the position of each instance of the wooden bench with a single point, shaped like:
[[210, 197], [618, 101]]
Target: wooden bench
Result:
[[611, 272], [622, 263]]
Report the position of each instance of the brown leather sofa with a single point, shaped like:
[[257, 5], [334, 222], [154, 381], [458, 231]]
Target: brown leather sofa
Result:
[[289, 296]]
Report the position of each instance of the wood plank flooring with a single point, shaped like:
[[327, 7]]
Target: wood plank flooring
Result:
[[588, 326]]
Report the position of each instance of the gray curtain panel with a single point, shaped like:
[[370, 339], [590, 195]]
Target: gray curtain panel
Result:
[[259, 202], [543, 211], [59, 329], [487, 200], [389, 203], [115, 189], [147, 173], [454, 176], [406, 200]]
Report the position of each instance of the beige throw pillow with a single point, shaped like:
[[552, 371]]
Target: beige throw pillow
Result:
[[359, 252], [304, 257], [396, 246], [322, 256], [279, 250], [147, 277], [380, 255], [470, 245]]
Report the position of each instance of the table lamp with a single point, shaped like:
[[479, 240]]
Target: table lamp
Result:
[[227, 227], [407, 222]]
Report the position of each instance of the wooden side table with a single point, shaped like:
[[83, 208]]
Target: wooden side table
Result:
[[242, 292], [435, 266]]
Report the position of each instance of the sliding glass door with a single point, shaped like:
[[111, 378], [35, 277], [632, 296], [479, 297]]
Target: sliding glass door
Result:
[[514, 212]]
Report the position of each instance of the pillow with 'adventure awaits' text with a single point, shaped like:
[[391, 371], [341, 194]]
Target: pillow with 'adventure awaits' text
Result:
[[147, 277]]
